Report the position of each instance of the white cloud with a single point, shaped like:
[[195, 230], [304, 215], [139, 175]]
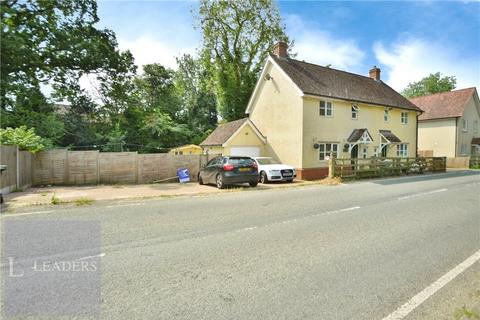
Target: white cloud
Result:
[[146, 49], [317, 46], [414, 59]]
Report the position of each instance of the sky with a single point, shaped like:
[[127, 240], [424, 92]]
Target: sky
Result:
[[407, 40]]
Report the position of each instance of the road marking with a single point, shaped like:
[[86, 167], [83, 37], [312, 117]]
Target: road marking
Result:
[[91, 257], [349, 209], [12, 215], [426, 293], [124, 205], [422, 194]]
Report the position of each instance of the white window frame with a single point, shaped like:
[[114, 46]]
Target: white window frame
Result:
[[463, 149], [402, 150], [464, 125], [354, 112], [323, 151], [375, 151], [386, 115], [475, 126], [404, 117], [328, 105]]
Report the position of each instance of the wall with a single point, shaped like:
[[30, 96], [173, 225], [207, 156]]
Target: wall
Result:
[[471, 114], [62, 167], [246, 137], [277, 112], [458, 162], [338, 127], [437, 135]]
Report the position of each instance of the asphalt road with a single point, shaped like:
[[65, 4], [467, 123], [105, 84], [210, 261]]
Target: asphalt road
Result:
[[355, 251]]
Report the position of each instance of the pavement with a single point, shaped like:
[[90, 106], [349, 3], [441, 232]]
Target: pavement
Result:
[[363, 250], [72, 194]]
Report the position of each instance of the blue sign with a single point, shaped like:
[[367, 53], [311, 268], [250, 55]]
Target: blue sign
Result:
[[183, 175]]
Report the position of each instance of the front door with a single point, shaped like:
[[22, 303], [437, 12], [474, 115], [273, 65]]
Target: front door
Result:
[[354, 152], [384, 151]]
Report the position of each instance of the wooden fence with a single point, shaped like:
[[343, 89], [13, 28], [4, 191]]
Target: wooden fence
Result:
[[474, 162], [382, 167], [18, 173], [63, 167]]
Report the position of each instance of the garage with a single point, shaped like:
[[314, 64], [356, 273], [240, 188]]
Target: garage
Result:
[[245, 151]]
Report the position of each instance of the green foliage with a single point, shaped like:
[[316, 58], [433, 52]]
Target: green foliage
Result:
[[434, 83], [237, 37], [24, 138]]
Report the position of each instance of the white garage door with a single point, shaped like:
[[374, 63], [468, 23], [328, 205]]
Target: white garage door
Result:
[[245, 151]]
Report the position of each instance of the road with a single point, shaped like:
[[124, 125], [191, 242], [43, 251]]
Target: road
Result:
[[355, 251]]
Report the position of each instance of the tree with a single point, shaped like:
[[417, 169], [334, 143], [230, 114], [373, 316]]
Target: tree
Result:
[[53, 43], [237, 36], [198, 104], [25, 139], [434, 83]]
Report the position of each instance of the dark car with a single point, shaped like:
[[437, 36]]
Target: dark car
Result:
[[223, 171]]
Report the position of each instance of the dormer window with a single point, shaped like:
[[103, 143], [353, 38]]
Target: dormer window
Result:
[[354, 111]]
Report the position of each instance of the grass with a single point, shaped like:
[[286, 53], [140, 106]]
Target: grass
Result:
[[55, 200], [83, 202], [335, 181], [465, 313]]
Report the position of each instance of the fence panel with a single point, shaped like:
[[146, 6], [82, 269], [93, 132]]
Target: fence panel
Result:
[[117, 167], [8, 157], [25, 167], [50, 167], [82, 167]]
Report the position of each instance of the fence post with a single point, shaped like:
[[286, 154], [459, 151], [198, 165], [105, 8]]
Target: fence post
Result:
[[18, 168], [331, 167]]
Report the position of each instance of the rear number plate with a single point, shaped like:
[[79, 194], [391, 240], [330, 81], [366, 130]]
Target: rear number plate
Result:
[[244, 169]]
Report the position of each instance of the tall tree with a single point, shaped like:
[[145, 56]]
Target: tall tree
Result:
[[52, 43], [434, 83], [198, 104], [237, 36]]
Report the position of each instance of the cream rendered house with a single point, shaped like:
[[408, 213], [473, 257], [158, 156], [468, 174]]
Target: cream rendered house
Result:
[[305, 112], [450, 124]]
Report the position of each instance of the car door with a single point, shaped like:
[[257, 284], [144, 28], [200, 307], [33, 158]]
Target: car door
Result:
[[211, 170]]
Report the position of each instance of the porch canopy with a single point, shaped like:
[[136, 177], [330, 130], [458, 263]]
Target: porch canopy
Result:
[[358, 136], [387, 137]]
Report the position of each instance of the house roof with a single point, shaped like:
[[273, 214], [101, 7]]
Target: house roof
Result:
[[443, 105], [223, 132], [187, 146], [357, 134], [390, 136], [316, 80]]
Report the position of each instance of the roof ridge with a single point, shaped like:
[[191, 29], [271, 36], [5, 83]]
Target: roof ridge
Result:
[[317, 65]]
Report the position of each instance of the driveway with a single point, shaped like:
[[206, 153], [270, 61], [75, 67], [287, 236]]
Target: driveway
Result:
[[406, 249]]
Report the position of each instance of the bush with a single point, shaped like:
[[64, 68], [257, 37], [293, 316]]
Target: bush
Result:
[[24, 138]]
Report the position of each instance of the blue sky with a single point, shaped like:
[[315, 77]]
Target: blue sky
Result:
[[407, 40]]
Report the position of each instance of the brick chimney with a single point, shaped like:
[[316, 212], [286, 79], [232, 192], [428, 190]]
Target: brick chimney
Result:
[[374, 73], [280, 49]]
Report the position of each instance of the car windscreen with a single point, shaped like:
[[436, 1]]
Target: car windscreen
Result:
[[241, 161], [267, 161]]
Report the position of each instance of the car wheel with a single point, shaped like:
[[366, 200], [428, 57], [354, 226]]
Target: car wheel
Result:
[[253, 184], [263, 177], [200, 180], [219, 181]]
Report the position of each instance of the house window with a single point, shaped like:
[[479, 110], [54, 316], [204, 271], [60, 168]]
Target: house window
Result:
[[326, 109], [463, 149], [404, 117], [327, 149], [354, 111], [402, 150], [375, 152], [464, 125], [364, 152], [385, 115], [475, 126]]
